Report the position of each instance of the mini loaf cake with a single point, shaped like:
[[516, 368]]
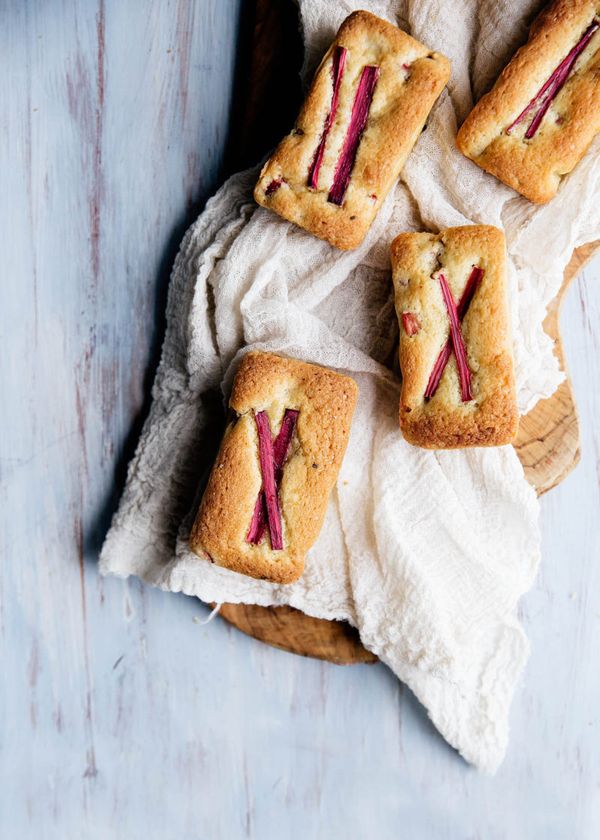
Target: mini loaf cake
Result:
[[267, 494], [544, 111], [365, 109], [458, 386]]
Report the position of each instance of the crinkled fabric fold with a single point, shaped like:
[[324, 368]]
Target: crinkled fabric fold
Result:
[[425, 553]]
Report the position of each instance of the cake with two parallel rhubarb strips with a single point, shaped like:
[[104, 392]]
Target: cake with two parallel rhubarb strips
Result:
[[538, 120], [365, 110]]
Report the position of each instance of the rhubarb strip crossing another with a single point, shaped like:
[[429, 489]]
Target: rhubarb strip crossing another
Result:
[[337, 72], [267, 468], [442, 360], [552, 87], [281, 447], [458, 344], [358, 122]]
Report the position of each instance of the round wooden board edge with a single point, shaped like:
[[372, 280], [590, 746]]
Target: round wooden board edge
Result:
[[548, 447], [293, 631], [548, 440]]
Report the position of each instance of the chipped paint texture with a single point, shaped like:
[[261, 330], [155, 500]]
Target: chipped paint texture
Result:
[[121, 717]]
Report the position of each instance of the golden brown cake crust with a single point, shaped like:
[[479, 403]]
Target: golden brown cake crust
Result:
[[401, 103], [325, 401], [535, 167], [444, 421]]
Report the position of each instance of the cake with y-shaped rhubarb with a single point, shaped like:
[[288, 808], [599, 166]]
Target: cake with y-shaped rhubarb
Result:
[[363, 114], [267, 494], [536, 123], [458, 385]]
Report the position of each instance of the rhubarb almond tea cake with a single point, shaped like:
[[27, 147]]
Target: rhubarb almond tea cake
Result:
[[268, 490], [458, 385], [544, 111], [363, 114]]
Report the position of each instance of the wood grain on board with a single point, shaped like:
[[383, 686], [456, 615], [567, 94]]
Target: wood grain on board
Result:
[[548, 439]]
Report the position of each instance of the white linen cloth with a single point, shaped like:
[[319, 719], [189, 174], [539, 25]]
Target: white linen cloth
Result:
[[427, 553]]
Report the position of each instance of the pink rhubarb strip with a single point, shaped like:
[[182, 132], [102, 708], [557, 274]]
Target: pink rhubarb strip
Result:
[[444, 356], [458, 344], [281, 446], [358, 121], [551, 88], [337, 72]]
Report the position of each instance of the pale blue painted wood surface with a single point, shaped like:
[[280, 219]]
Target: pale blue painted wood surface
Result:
[[120, 717]]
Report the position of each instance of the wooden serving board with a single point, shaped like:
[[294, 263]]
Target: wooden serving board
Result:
[[548, 439], [548, 448]]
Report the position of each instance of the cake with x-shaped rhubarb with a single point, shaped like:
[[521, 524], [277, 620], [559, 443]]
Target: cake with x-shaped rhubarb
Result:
[[364, 112], [267, 493], [458, 385]]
